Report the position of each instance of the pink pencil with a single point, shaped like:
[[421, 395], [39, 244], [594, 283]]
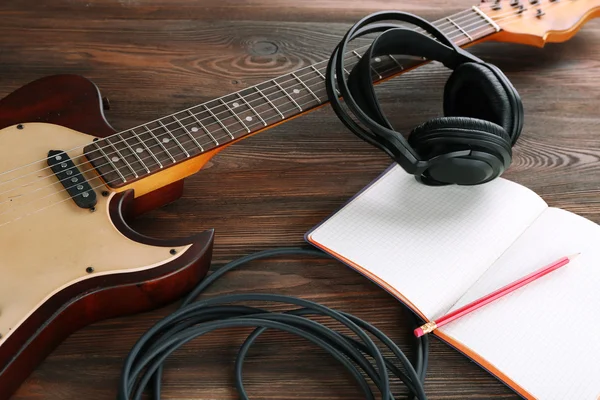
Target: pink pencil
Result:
[[431, 326]]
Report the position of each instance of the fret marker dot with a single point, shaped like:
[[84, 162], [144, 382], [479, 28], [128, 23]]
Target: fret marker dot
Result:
[[236, 104], [115, 159], [166, 140], [139, 150], [194, 129], [296, 91], [248, 119], [377, 59]]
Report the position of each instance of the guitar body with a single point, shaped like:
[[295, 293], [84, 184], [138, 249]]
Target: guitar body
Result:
[[61, 266]]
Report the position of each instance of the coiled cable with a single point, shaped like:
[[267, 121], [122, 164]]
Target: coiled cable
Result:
[[360, 355]]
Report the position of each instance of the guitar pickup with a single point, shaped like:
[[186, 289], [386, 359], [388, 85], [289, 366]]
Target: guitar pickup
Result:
[[71, 178]]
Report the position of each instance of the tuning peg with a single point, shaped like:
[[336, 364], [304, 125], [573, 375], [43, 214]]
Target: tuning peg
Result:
[[514, 3], [540, 13]]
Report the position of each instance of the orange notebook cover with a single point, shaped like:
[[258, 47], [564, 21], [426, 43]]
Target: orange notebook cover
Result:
[[438, 248]]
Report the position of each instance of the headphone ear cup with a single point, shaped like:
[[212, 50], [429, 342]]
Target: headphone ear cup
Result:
[[488, 143], [473, 90]]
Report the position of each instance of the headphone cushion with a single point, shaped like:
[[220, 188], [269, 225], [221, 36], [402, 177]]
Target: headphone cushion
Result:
[[473, 90], [442, 135], [488, 145]]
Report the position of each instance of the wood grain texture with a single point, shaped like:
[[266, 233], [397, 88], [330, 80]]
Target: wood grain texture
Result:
[[156, 57]]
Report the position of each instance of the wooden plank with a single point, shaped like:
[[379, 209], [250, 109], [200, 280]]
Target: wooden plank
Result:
[[158, 57]]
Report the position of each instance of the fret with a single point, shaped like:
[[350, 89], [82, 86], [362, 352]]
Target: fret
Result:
[[241, 107], [323, 77], [112, 165], [287, 94], [135, 154], [146, 148], [261, 105], [148, 130], [187, 155], [306, 87], [252, 108], [187, 132], [372, 69], [486, 18], [386, 66], [269, 101], [426, 33], [460, 29], [235, 115], [395, 60], [318, 72], [203, 127], [221, 124], [120, 157]]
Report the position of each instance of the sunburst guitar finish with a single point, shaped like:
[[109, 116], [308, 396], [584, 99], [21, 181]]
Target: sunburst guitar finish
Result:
[[62, 266]]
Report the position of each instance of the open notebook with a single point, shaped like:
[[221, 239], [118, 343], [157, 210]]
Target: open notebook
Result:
[[439, 248]]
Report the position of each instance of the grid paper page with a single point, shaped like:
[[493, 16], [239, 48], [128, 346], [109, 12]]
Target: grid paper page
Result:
[[429, 243], [544, 336]]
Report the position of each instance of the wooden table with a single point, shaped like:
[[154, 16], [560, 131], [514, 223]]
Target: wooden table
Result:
[[155, 57]]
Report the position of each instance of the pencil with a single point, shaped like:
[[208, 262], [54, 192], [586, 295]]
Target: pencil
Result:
[[433, 325]]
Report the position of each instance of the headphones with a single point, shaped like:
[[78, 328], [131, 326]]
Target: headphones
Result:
[[470, 145]]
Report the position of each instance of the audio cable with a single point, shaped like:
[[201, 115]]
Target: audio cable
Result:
[[360, 355]]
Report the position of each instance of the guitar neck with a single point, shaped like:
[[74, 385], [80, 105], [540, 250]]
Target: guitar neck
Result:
[[164, 142]]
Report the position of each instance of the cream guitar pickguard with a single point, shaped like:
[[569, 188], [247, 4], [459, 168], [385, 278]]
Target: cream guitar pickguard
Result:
[[46, 242]]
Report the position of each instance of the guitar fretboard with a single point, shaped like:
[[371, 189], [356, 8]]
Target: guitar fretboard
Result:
[[148, 148]]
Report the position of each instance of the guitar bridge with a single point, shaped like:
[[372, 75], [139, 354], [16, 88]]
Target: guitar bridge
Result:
[[71, 178]]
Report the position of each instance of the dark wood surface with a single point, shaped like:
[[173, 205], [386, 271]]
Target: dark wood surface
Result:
[[155, 57]]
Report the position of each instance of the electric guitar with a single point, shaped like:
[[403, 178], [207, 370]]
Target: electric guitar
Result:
[[69, 183]]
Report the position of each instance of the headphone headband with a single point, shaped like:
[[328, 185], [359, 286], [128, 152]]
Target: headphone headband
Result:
[[359, 95], [383, 136]]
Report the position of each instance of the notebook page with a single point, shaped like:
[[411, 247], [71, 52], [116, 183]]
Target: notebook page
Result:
[[543, 336], [428, 243]]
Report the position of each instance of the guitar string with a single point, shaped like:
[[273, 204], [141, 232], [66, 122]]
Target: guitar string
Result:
[[93, 188], [138, 159], [477, 18], [275, 90], [178, 154], [98, 177], [123, 141], [148, 161], [168, 133]]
